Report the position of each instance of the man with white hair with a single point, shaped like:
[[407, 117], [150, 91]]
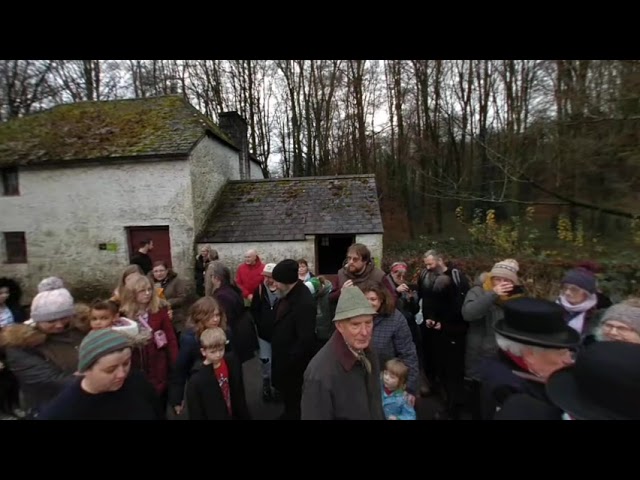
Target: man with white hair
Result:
[[342, 382], [534, 341]]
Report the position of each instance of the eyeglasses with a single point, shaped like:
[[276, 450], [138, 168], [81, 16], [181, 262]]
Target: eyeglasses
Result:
[[623, 329]]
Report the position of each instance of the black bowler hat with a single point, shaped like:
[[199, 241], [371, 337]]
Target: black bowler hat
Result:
[[603, 384], [536, 322]]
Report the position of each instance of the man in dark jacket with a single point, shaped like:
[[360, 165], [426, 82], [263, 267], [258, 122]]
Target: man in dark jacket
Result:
[[342, 382], [293, 337], [534, 342], [142, 258], [442, 297]]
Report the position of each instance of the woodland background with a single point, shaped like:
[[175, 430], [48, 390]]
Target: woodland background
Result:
[[533, 159]]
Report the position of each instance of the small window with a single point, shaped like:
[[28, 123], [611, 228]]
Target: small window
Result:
[[16, 247], [10, 181]]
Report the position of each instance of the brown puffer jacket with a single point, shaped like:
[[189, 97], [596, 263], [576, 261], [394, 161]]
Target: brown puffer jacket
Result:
[[43, 364]]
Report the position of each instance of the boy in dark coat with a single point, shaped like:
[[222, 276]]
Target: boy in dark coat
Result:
[[216, 391]]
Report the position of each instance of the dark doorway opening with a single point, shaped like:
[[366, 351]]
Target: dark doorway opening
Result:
[[161, 242], [332, 251]]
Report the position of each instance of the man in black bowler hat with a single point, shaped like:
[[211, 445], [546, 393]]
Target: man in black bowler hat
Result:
[[293, 339], [534, 341], [603, 384]]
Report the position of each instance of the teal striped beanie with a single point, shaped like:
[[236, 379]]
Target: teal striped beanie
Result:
[[99, 343]]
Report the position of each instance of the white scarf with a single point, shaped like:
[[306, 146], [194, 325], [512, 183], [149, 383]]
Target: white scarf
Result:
[[577, 322]]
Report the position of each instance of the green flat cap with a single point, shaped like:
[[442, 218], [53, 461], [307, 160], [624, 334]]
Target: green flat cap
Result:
[[352, 303]]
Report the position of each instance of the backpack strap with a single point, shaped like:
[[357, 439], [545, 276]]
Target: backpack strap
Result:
[[455, 274]]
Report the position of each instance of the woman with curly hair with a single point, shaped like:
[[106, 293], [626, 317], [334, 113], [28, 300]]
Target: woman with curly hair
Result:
[[156, 359]]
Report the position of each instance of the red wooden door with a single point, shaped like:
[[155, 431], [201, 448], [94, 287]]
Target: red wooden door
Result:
[[161, 242]]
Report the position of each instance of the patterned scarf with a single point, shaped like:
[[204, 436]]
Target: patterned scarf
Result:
[[362, 358]]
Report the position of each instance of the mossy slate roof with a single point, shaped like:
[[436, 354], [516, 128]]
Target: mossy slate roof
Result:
[[290, 208], [146, 127]]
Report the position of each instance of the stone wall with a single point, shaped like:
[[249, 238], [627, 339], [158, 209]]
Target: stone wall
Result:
[[66, 213]]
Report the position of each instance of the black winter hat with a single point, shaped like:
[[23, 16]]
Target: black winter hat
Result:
[[581, 277], [286, 272]]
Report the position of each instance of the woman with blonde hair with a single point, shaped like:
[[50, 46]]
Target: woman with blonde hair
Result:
[[204, 313], [128, 274], [156, 359]]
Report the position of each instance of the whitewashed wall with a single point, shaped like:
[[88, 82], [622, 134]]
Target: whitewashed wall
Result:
[[255, 171], [232, 254], [374, 242], [67, 212], [212, 163]]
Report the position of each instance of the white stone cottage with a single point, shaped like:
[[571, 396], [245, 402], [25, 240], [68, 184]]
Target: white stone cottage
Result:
[[83, 183]]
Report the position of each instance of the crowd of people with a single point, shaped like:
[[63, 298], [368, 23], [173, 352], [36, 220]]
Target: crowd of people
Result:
[[369, 345]]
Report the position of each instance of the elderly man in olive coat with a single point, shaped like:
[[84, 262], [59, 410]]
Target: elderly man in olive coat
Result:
[[342, 382]]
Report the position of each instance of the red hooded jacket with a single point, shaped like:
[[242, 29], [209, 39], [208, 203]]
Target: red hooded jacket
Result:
[[248, 277]]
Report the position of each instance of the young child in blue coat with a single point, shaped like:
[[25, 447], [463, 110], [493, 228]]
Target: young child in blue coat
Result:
[[394, 397]]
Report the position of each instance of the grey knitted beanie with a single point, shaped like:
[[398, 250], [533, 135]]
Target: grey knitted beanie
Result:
[[627, 312]]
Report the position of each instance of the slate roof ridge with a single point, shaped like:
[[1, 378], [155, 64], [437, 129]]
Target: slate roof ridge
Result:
[[307, 178]]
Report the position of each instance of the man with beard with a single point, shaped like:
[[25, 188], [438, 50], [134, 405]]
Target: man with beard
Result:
[[359, 271], [442, 289], [293, 336]]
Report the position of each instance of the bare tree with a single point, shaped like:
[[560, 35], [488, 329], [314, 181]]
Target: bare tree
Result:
[[24, 84]]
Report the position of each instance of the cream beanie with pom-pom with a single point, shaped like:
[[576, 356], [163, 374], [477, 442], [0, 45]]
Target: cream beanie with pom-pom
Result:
[[506, 269], [52, 302]]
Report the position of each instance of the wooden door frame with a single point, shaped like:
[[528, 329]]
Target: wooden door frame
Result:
[[133, 248]]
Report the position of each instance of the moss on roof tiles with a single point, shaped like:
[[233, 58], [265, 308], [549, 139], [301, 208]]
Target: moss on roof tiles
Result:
[[166, 125]]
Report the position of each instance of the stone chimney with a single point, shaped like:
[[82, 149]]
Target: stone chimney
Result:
[[237, 129]]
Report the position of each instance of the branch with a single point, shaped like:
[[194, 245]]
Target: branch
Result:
[[536, 185], [470, 197]]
